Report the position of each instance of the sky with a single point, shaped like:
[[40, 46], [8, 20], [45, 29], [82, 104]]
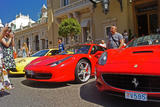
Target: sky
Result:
[[10, 8]]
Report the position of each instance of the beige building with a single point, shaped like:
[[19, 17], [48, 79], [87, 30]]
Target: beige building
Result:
[[34, 34], [138, 17]]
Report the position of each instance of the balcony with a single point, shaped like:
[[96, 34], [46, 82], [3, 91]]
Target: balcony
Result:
[[80, 4]]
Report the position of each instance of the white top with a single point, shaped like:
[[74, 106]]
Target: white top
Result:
[[104, 45]]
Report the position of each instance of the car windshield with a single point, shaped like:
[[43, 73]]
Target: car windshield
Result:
[[145, 40], [40, 53], [79, 49]]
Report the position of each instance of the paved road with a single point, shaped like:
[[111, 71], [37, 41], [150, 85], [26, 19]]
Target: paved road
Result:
[[37, 94]]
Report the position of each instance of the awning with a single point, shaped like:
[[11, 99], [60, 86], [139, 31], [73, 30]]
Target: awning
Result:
[[85, 23]]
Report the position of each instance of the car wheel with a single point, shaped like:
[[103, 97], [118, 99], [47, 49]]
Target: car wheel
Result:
[[82, 71]]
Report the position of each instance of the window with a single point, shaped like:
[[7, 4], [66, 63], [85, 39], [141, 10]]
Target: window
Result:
[[145, 40], [43, 43], [85, 34], [97, 48], [37, 43], [94, 50], [47, 43], [19, 44], [54, 52], [76, 49], [107, 30], [40, 53], [27, 41], [76, 37], [67, 40], [66, 2]]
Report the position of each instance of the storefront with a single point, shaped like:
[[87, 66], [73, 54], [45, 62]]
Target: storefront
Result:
[[145, 16]]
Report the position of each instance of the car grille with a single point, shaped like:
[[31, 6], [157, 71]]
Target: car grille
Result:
[[39, 76], [142, 83]]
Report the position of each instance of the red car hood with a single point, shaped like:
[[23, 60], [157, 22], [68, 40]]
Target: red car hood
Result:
[[48, 60], [147, 54]]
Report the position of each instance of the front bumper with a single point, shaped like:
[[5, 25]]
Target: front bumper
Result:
[[17, 72], [59, 73], [103, 86]]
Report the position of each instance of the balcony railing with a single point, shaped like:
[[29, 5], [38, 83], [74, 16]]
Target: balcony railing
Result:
[[76, 5]]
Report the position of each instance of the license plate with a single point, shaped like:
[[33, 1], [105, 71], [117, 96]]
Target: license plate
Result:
[[136, 96]]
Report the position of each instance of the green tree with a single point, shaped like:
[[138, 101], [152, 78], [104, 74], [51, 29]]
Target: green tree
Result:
[[69, 27]]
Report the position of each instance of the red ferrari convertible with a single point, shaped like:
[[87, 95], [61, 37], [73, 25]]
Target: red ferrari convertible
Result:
[[132, 72], [75, 63]]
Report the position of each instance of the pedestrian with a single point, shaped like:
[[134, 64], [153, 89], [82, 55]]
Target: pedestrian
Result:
[[4, 80], [24, 50], [125, 36], [115, 39], [103, 43], [61, 45], [91, 42], [19, 53], [7, 45], [30, 52], [14, 53]]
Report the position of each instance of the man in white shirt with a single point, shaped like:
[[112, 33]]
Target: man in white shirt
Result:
[[103, 43]]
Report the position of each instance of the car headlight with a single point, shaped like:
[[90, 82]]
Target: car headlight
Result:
[[58, 62], [103, 59]]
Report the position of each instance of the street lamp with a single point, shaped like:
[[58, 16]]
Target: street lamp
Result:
[[105, 4], [95, 2]]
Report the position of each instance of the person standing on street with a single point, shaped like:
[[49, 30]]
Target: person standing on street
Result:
[[115, 39], [61, 45], [125, 36], [4, 80], [24, 50], [103, 43], [8, 44]]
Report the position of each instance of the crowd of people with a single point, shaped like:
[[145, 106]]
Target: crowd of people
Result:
[[116, 40]]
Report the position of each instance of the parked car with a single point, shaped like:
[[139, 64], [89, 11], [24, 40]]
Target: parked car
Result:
[[22, 62], [75, 63], [132, 72]]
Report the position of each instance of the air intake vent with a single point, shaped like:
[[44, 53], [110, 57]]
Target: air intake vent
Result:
[[135, 52]]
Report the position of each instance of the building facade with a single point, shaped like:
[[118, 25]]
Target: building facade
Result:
[[146, 16], [138, 17], [34, 34], [1, 25]]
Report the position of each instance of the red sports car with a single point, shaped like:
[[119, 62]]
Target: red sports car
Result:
[[75, 63], [132, 72]]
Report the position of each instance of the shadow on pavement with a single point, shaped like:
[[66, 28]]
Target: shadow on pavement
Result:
[[36, 84], [3, 93], [90, 93]]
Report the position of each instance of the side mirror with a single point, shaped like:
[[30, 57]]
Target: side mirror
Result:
[[49, 54]]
